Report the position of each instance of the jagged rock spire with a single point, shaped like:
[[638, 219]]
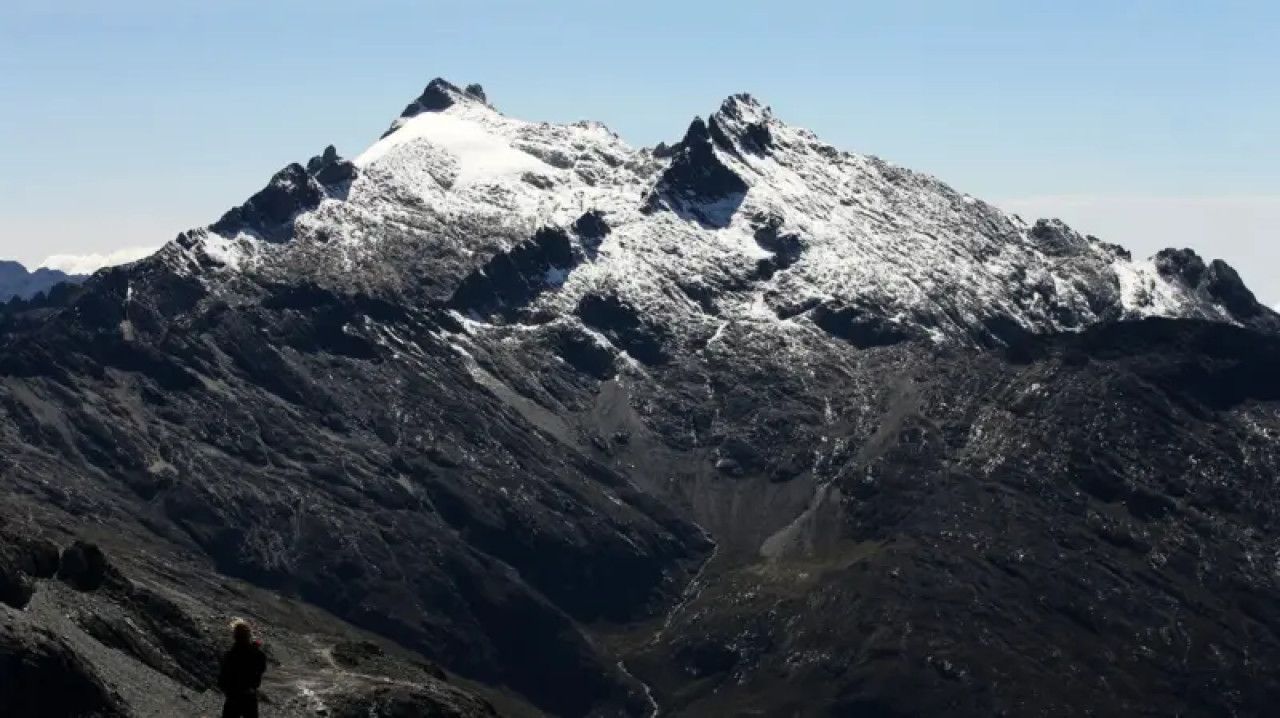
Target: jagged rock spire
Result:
[[439, 95]]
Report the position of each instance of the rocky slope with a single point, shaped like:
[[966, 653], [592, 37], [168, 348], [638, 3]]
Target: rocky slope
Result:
[[743, 425], [82, 639]]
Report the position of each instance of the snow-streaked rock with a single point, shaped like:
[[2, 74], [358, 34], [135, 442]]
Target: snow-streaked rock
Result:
[[867, 243]]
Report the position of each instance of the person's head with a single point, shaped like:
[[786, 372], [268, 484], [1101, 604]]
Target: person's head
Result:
[[241, 630]]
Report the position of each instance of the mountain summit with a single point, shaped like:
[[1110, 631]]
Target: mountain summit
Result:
[[761, 221], [739, 425]]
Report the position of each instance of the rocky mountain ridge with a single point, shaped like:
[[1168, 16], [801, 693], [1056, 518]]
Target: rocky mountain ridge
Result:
[[743, 425], [771, 221]]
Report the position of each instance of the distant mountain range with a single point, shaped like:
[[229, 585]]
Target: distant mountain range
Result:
[[16, 281]]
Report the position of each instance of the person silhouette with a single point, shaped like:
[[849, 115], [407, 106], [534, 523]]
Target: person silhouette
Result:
[[240, 674]]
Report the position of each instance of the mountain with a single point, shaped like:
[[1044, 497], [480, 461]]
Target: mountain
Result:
[[16, 281], [87, 264], [741, 425]]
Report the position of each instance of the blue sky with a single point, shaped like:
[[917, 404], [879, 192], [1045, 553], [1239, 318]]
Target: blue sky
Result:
[[1150, 123]]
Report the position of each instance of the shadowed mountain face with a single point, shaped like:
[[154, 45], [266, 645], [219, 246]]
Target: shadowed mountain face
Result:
[[742, 426]]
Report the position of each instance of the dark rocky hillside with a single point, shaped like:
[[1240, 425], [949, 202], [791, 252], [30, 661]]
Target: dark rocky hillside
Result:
[[1088, 529], [743, 427]]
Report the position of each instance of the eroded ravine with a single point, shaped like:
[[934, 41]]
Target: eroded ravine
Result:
[[691, 594]]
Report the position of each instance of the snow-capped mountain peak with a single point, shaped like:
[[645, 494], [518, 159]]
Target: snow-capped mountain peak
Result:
[[746, 220], [440, 95], [745, 121]]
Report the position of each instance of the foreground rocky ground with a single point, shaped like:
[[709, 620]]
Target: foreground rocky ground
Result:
[[707, 430], [88, 641]]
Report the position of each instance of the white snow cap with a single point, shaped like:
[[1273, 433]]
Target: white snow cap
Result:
[[479, 152]]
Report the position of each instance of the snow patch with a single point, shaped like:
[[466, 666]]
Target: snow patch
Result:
[[231, 253], [1144, 292], [481, 155]]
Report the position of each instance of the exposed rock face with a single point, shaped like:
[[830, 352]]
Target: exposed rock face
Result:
[[1218, 281], [44, 677], [84, 567], [269, 214], [22, 561], [510, 280], [785, 430], [696, 172]]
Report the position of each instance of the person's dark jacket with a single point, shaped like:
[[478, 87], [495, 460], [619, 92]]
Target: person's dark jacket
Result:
[[242, 669]]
